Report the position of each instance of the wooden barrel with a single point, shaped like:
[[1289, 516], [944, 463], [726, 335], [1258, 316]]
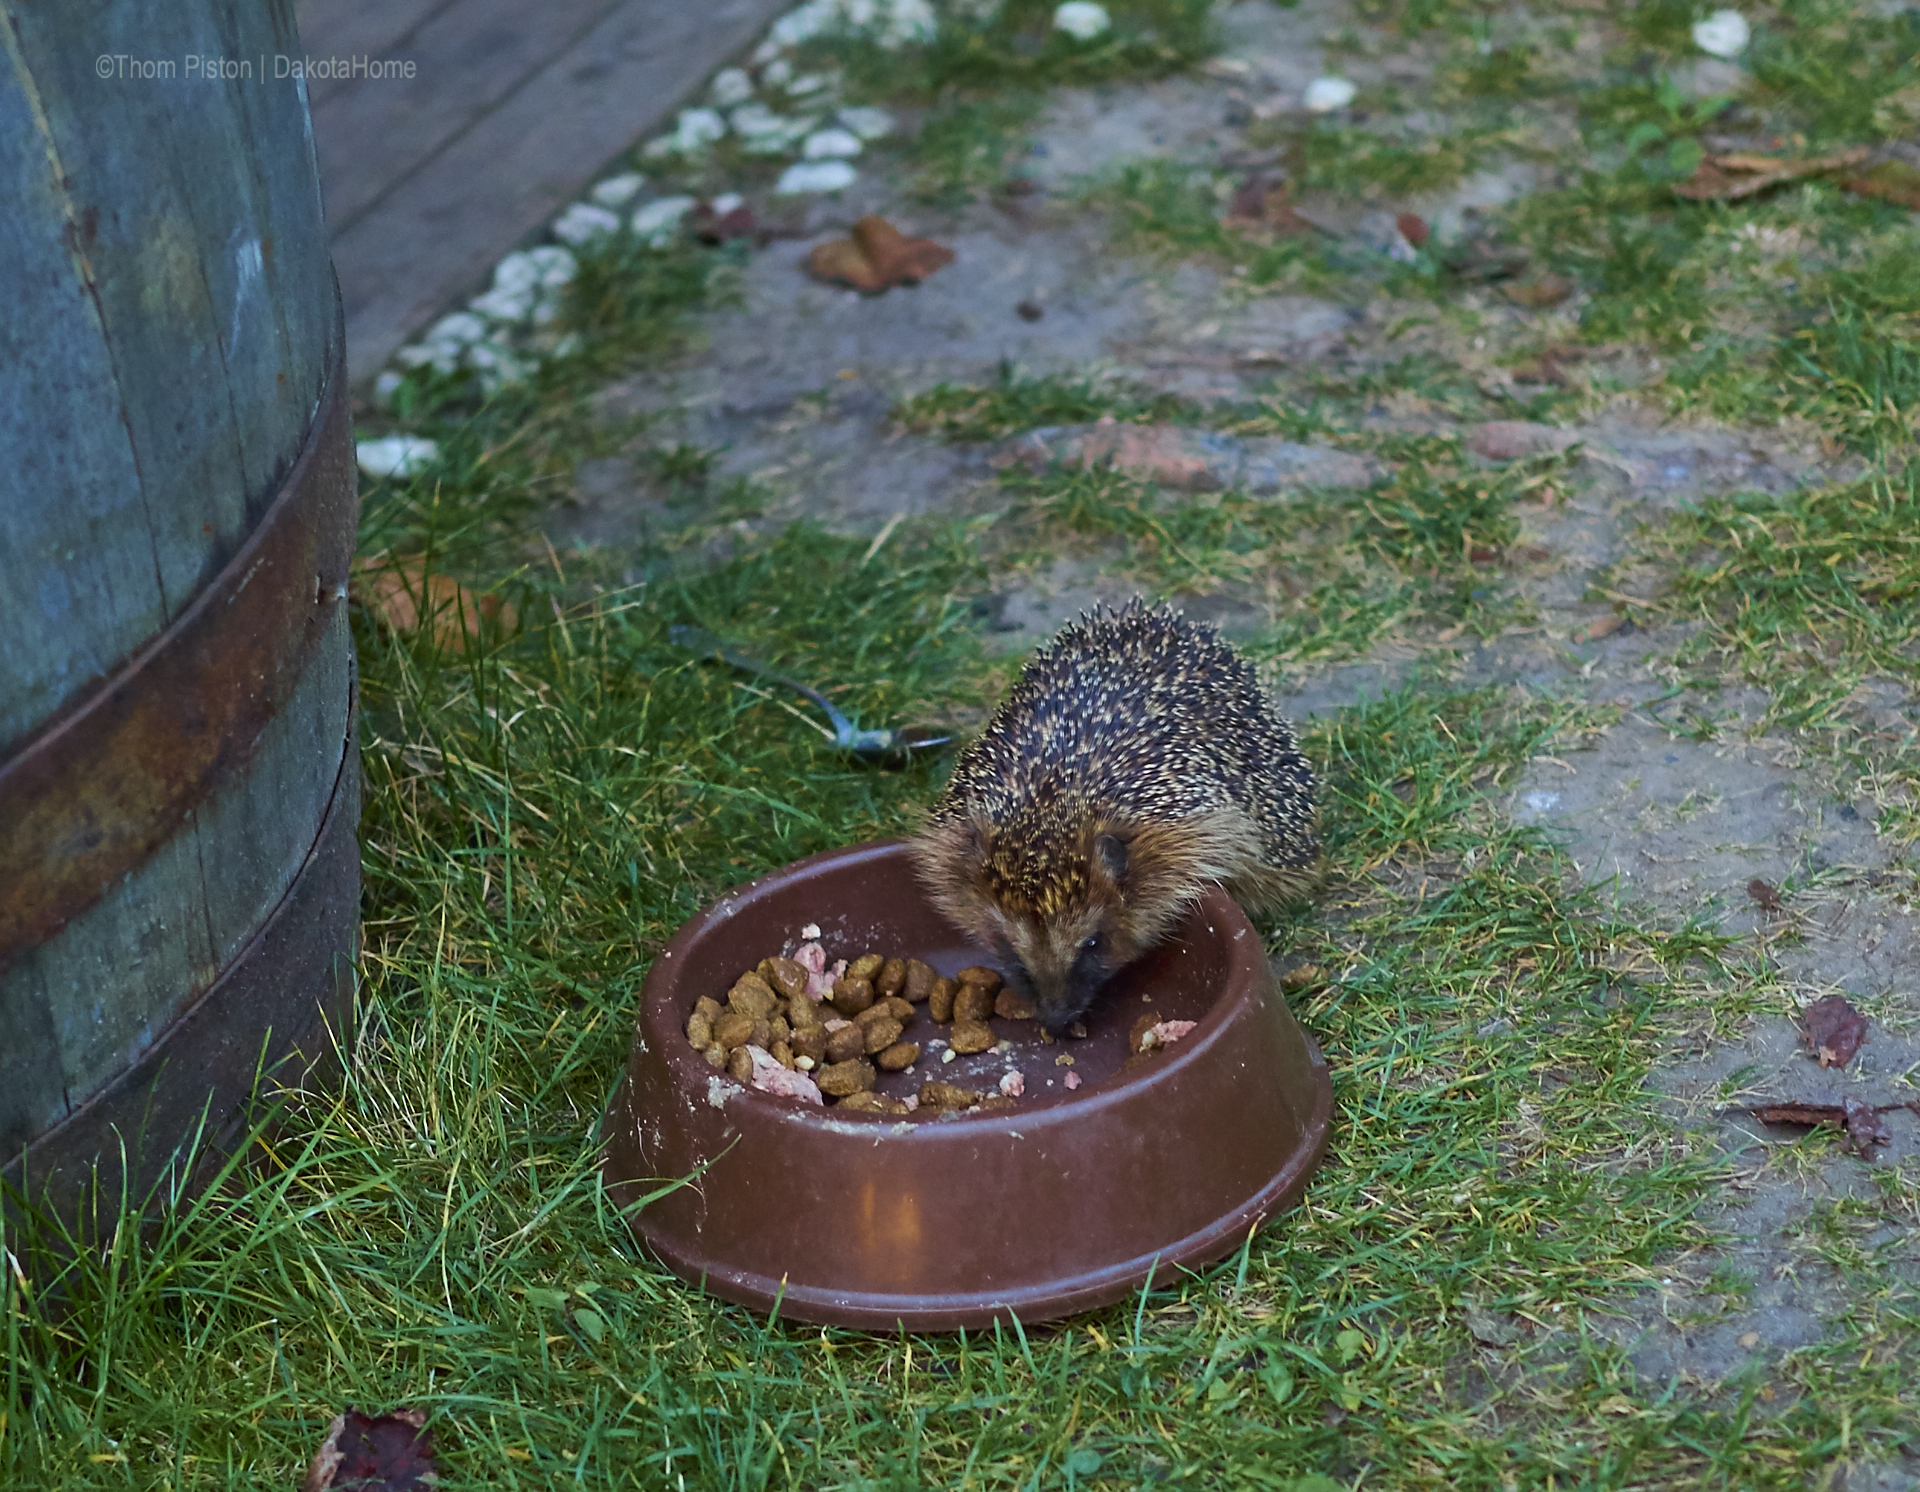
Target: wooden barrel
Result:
[[179, 784]]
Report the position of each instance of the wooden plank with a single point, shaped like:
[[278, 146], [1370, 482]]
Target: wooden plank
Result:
[[378, 29], [439, 236], [374, 133]]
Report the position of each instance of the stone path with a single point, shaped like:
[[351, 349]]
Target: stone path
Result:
[[512, 108]]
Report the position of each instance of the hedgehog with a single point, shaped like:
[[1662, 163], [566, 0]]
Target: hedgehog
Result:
[[1136, 763]]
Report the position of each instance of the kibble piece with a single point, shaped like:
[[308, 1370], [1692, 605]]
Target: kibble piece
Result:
[[841, 1078], [938, 1095], [787, 975], [881, 1034], [866, 966], [716, 1055], [971, 1036], [1138, 1035], [710, 1008], [899, 1056], [733, 1030], [782, 1053], [699, 1031], [972, 1002], [919, 981], [1011, 1005], [777, 1029], [849, 1041], [988, 979], [740, 1065], [765, 970], [940, 1000], [809, 1042], [997, 1101], [892, 977], [1077, 1030], [868, 1102], [876, 1012], [851, 996], [802, 1012], [751, 997], [762, 1035], [901, 1010]]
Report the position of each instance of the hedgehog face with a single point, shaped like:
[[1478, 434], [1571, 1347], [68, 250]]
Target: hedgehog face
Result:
[[1064, 964]]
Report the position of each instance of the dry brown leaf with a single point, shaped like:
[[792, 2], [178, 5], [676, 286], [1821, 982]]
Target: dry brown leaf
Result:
[[877, 257], [1729, 177], [404, 597], [1413, 228], [1890, 181], [1861, 1121], [1835, 1030], [1260, 209], [1767, 896], [1600, 627], [1538, 292], [374, 1453]]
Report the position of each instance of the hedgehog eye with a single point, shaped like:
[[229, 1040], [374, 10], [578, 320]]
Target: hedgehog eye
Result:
[[1092, 945]]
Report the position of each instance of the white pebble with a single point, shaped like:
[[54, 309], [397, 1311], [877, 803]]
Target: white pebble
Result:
[[948, 1055], [506, 303], [617, 191], [721, 205], [1324, 95], [867, 122], [701, 126], [805, 84], [460, 329], [1725, 33], [831, 145], [387, 385], [583, 222], [1082, 19], [519, 271], [658, 222], [777, 73], [731, 86], [395, 456], [816, 176]]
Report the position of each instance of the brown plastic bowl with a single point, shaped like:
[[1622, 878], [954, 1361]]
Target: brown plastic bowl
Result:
[[1068, 1202]]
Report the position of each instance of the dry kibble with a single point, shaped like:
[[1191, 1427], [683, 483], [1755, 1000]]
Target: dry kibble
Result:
[[709, 1007], [851, 996], [940, 1000], [762, 1035], [733, 1030], [869, 1102], [901, 1055], [997, 1101], [881, 1034], [873, 1013], [716, 1055], [919, 981], [787, 975], [901, 1010], [865, 967], [802, 1012], [1077, 1030], [892, 977], [765, 970], [751, 997], [1011, 1005], [938, 1095], [841, 1078], [777, 1030], [848, 1042], [972, 1002], [740, 1065], [809, 1042], [782, 1053], [971, 1036], [699, 1031], [1139, 1032], [987, 978]]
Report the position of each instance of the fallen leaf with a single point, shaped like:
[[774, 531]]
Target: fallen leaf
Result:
[[877, 257], [1539, 291], [1835, 1030], [1488, 1329], [1413, 228], [1304, 976], [406, 598], [1890, 181], [1729, 177], [1599, 627], [1768, 896], [1861, 1121], [1260, 209], [1865, 1127], [1748, 1340], [378, 1453]]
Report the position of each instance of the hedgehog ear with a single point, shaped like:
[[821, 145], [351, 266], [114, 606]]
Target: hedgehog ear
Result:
[[1113, 853]]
